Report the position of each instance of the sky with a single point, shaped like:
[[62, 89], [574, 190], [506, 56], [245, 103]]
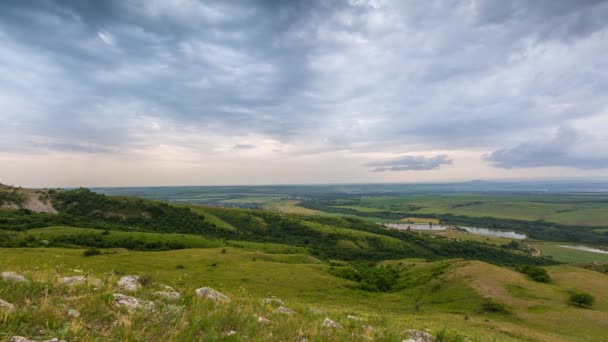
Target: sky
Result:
[[186, 92]]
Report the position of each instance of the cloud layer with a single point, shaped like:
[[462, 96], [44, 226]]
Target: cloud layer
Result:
[[411, 163], [292, 80]]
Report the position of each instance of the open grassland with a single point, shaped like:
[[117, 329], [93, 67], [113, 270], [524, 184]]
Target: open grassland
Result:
[[464, 236], [448, 296], [568, 255], [567, 209]]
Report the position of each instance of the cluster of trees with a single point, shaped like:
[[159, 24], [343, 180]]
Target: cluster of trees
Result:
[[11, 196], [535, 273], [370, 278]]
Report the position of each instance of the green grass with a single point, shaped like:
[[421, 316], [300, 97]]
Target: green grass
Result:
[[445, 292]]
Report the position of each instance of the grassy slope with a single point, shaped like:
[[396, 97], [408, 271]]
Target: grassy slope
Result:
[[448, 290]]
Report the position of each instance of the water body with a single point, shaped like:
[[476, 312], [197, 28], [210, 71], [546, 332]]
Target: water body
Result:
[[495, 232], [415, 226], [472, 230], [585, 248]]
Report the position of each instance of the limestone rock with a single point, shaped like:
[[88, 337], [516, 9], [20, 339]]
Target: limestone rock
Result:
[[129, 283], [71, 281], [12, 276], [132, 302], [264, 320], [328, 323], [73, 313], [284, 310], [6, 306], [168, 295], [418, 336], [212, 294]]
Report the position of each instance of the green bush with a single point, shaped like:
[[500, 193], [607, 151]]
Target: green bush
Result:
[[581, 299], [91, 251], [493, 307], [535, 273]]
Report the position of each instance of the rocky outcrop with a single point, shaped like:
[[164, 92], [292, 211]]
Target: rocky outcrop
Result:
[[212, 294], [285, 311], [12, 276], [418, 336], [72, 281], [129, 283], [132, 303], [6, 306], [328, 323]]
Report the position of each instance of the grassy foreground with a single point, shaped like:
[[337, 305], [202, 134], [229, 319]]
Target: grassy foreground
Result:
[[444, 297]]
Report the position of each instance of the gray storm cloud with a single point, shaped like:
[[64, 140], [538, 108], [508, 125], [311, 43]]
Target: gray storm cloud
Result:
[[319, 76], [411, 163]]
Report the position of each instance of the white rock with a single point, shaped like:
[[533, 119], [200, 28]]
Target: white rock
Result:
[[20, 339], [264, 320], [212, 294], [54, 339], [169, 295], [418, 336], [129, 283], [272, 301], [328, 323], [6, 306], [132, 302], [317, 311], [71, 281], [230, 333], [73, 313], [12, 276], [284, 310]]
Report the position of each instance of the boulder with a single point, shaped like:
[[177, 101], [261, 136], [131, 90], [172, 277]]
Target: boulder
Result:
[[20, 339], [71, 281], [12, 276], [418, 336], [264, 320], [6, 306], [129, 283], [284, 310], [328, 323], [212, 294], [132, 302], [168, 295], [73, 313]]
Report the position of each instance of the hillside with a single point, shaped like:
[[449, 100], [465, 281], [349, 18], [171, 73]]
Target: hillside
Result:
[[376, 283], [454, 300]]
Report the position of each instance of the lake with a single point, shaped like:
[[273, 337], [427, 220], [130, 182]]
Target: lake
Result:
[[473, 230], [585, 248]]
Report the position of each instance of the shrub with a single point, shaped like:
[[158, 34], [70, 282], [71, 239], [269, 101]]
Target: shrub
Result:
[[535, 273], [145, 280], [581, 299], [493, 307], [91, 251]]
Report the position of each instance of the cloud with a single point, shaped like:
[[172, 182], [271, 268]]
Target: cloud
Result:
[[243, 147], [411, 163], [313, 77], [567, 148]]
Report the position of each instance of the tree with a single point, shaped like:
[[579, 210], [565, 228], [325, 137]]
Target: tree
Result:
[[581, 299]]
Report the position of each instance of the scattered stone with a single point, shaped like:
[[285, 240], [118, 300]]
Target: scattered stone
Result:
[[72, 281], [20, 339], [54, 339], [167, 288], [328, 323], [212, 294], [355, 318], [132, 302], [6, 306], [317, 311], [129, 283], [273, 301], [284, 310], [12, 276], [368, 328], [230, 333], [264, 320], [418, 336], [73, 313], [168, 295]]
